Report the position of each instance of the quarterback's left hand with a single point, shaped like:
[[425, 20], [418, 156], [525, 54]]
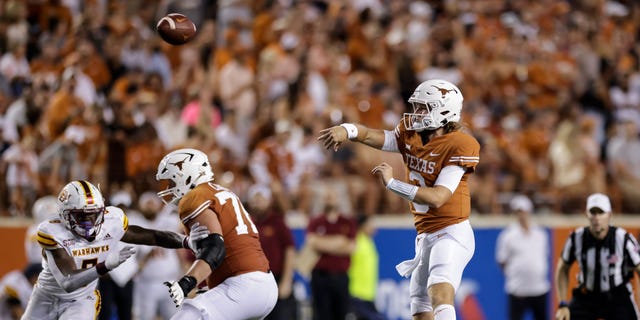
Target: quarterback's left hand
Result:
[[178, 290], [384, 171]]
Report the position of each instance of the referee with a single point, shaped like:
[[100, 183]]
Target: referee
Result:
[[607, 256]]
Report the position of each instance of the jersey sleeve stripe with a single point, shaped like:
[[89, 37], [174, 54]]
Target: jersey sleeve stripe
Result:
[[47, 245], [11, 292], [46, 242], [125, 222], [464, 159], [196, 212], [45, 236]]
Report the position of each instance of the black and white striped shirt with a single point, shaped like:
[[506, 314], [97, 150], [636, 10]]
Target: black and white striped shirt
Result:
[[604, 264]]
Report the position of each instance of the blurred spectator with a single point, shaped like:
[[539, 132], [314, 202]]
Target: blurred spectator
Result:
[[575, 162], [232, 138], [15, 291], [14, 65], [363, 272], [171, 130], [57, 162], [332, 236], [54, 12], [23, 112], [522, 253], [62, 107], [278, 245], [21, 160], [156, 265], [622, 153], [236, 83], [623, 97], [309, 159], [271, 162]]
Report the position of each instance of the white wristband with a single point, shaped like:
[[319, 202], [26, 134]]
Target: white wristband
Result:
[[403, 189], [352, 130]]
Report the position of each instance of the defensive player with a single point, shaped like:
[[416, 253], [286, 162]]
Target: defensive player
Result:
[[78, 248], [230, 258], [15, 290], [439, 157]]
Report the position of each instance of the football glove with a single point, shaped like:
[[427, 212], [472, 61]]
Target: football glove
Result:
[[178, 290], [114, 259], [197, 233]]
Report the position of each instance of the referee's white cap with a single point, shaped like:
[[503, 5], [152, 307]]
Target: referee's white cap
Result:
[[599, 200]]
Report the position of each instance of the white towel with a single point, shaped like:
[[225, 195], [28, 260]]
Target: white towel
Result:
[[405, 268]]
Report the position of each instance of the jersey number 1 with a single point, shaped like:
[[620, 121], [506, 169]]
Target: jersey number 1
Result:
[[241, 213]]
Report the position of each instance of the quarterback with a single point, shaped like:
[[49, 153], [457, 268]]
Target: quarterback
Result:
[[78, 248], [439, 157], [230, 258]]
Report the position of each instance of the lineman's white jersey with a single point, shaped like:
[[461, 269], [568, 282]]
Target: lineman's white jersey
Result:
[[53, 234], [14, 285]]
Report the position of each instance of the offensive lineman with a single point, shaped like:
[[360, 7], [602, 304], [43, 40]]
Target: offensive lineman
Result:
[[230, 258], [78, 249], [439, 157]]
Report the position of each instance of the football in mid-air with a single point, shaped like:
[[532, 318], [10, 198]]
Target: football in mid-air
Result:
[[176, 29]]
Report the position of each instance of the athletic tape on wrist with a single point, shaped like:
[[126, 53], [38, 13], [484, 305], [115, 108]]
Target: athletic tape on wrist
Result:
[[403, 189], [352, 130]]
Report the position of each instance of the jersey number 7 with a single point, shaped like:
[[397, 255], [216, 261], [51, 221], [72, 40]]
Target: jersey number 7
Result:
[[241, 213]]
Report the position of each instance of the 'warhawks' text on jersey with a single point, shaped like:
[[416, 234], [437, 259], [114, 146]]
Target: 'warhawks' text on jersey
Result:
[[424, 163], [53, 234], [243, 251]]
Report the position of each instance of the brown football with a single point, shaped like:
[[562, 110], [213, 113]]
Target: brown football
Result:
[[176, 29]]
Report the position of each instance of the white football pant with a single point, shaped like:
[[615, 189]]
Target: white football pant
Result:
[[247, 296], [45, 306], [444, 255]]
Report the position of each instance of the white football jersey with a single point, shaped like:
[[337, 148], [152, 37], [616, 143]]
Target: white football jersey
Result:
[[14, 284], [53, 234]]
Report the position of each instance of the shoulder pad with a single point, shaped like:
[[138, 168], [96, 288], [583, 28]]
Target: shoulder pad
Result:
[[114, 216], [49, 233]]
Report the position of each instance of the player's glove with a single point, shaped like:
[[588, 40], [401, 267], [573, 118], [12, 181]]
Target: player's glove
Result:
[[197, 233], [114, 259], [179, 289]]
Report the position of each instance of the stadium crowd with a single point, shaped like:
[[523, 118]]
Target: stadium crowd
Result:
[[89, 91]]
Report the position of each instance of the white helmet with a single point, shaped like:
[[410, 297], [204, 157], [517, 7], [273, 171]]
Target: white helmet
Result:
[[44, 208], [185, 169], [81, 208], [435, 103]]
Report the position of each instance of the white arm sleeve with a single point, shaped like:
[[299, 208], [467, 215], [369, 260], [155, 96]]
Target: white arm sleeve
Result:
[[71, 282], [390, 142], [450, 177]]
